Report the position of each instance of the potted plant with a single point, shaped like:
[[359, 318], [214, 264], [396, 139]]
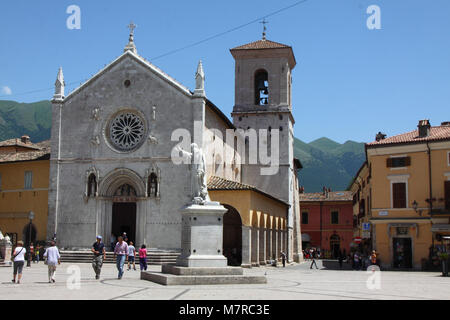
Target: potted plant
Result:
[[443, 256]]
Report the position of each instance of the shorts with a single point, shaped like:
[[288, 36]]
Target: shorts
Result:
[[130, 258], [18, 266]]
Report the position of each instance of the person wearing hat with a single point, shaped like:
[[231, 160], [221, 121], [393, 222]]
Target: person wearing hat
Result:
[[98, 248]]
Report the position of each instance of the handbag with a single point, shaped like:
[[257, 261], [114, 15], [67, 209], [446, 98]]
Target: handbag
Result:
[[13, 257]]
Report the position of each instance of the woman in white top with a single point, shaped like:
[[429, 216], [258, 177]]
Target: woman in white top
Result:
[[52, 257], [19, 260]]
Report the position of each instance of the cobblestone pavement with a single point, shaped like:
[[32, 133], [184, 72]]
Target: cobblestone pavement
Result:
[[295, 282]]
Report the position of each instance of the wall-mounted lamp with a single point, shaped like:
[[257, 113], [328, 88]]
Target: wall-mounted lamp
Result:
[[415, 206]]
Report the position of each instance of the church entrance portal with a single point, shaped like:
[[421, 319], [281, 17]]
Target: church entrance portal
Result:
[[124, 219]]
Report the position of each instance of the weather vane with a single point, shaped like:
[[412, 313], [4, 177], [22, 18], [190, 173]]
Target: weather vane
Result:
[[264, 22]]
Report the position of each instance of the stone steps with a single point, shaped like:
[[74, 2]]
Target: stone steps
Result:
[[154, 257]]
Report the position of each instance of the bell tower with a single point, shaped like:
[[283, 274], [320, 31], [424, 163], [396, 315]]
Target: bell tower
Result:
[[263, 101]]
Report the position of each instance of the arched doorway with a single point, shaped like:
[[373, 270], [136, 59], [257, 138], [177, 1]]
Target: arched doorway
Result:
[[335, 245], [232, 236], [124, 212], [29, 234]]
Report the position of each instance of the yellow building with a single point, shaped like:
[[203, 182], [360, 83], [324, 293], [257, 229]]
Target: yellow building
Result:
[[403, 191], [361, 191], [24, 179]]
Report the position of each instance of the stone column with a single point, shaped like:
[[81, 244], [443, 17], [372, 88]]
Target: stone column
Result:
[[274, 253], [282, 242], [255, 246], [262, 246], [268, 245], [246, 247]]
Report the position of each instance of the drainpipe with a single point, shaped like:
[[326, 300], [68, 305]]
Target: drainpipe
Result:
[[431, 187], [321, 203]]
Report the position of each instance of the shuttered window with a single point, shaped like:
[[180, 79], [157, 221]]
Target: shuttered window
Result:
[[334, 217], [399, 194], [398, 162], [28, 179], [305, 218]]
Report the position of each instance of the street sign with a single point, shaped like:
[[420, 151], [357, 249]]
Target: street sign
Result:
[[357, 239], [366, 235], [383, 213], [366, 226]]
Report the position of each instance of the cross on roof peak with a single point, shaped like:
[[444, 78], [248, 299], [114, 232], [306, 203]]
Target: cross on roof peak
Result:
[[131, 26], [264, 22]]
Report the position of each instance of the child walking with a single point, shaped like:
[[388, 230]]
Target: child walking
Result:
[[143, 258]]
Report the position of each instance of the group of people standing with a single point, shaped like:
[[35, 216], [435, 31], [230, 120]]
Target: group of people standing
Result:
[[361, 260], [51, 256], [124, 251]]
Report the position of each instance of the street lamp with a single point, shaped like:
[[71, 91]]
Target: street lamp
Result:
[[31, 217]]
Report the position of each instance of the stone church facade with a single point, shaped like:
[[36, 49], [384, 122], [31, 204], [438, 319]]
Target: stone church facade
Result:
[[111, 166]]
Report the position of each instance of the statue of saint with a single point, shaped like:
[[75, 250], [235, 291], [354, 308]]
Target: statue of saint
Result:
[[198, 174]]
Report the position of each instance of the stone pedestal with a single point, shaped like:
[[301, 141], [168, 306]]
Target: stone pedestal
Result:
[[5, 251], [201, 260], [201, 236]]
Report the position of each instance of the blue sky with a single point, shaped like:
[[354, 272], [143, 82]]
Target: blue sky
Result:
[[349, 83]]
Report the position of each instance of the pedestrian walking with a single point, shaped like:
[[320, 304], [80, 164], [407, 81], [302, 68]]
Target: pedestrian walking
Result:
[[98, 248], [131, 255], [36, 256], [113, 241], [356, 260], [30, 255], [143, 258], [283, 258], [373, 258], [313, 259], [340, 259], [18, 259], [120, 254], [52, 259]]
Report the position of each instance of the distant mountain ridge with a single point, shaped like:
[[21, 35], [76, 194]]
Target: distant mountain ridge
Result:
[[328, 163], [325, 162]]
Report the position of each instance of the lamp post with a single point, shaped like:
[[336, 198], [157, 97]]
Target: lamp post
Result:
[[31, 217]]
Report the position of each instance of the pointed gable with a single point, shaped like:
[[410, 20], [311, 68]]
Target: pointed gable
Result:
[[142, 61]]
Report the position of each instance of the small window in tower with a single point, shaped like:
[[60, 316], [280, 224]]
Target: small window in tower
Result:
[[261, 88]]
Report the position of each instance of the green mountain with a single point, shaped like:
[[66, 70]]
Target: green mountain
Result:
[[33, 119], [328, 163], [325, 162]]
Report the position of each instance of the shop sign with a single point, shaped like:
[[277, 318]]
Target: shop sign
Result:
[[383, 213]]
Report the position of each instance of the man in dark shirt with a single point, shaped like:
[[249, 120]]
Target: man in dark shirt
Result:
[[98, 248]]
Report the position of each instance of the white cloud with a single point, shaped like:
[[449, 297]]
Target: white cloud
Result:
[[6, 90]]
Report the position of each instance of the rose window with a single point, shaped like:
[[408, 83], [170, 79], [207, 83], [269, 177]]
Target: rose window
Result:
[[126, 131]]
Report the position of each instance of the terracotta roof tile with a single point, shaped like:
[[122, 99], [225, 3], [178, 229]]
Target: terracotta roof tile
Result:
[[436, 134], [218, 183], [261, 44], [332, 196], [37, 151], [17, 142]]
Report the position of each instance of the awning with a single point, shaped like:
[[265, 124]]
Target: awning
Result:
[[305, 237], [440, 227]]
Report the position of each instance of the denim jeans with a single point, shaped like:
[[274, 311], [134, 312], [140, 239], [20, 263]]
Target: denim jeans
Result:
[[120, 261]]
